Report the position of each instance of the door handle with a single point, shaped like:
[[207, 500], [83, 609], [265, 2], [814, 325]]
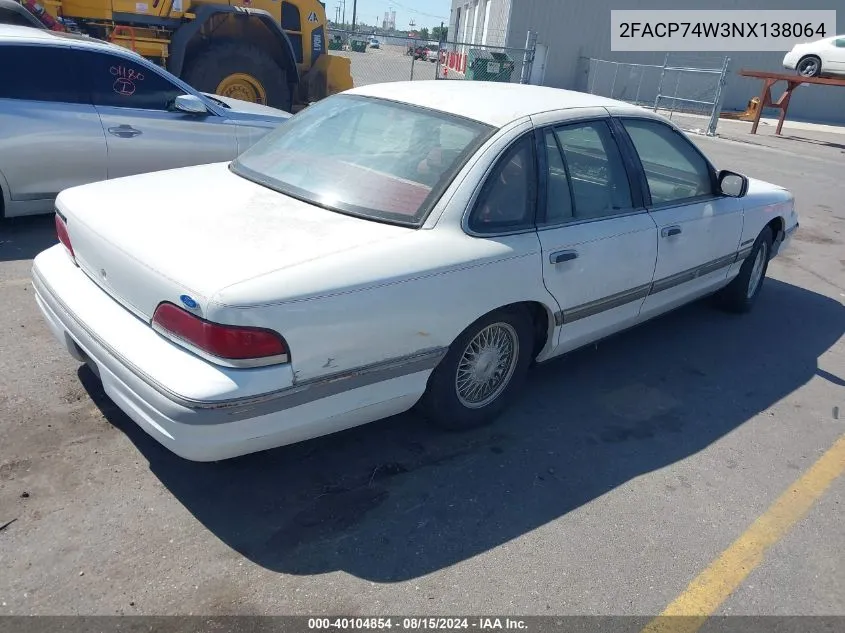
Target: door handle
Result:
[[669, 231], [559, 257], [124, 131]]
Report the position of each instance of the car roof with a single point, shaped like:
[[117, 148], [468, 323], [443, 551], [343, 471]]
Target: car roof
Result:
[[493, 103], [33, 35]]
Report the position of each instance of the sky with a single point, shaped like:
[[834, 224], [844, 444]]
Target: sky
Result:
[[424, 12]]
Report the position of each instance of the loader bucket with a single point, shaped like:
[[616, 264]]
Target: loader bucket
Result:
[[338, 72], [329, 75]]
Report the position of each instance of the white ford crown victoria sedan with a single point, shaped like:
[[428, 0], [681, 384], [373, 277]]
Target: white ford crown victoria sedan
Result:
[[396, 245]]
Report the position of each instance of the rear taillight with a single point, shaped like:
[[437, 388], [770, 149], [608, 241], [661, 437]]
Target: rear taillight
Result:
[[63, 235], [239, 345]]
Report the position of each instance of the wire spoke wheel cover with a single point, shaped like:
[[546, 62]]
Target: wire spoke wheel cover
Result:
[[757, 270], [487, 365]]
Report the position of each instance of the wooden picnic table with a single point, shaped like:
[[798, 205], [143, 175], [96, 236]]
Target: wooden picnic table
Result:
[[792, 82]]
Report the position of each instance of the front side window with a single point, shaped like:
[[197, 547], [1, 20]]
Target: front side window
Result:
[[507, 200], [121, 82], [839, 42], [674, 169], [597, 175], [40, 73], [368, 157]]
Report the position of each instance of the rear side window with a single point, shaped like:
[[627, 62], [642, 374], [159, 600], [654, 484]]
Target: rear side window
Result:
[[507, 200], [124, 83], [40, 73]]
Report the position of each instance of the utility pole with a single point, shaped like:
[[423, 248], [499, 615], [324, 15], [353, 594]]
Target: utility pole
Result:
[[344, 15], [354, 12]]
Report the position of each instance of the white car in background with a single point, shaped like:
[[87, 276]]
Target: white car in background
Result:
[[822, 57], [400, 244]]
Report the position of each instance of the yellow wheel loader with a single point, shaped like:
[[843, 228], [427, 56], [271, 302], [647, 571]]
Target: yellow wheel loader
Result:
[[273, 52]]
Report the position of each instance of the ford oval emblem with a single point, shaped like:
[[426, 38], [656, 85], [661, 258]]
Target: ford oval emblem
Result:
[[188, 302]]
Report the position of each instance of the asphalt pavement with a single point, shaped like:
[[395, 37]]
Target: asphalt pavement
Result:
[[621, 474], [388, 63]]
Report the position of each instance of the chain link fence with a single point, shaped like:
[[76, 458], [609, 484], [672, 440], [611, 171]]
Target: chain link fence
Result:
[[380, 58], [479, 62], [685, 83]]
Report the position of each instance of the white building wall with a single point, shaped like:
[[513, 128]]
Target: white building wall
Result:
[[482, 22], [486, 28], [575, 30], [476, 12]]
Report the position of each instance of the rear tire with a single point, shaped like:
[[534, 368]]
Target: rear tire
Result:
[[483, 370], [809, 66], [741, 294], [244, 71]]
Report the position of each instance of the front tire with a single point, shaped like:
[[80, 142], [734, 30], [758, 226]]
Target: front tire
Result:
[[741, 294], [809, 66], [240, 71], [481, 373]]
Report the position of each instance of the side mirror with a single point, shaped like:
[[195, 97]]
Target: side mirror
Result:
[[190, 104], [732, 184]]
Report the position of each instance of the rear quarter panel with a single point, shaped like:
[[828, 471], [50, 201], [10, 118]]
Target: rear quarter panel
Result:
[[397, 298], [431, 288]]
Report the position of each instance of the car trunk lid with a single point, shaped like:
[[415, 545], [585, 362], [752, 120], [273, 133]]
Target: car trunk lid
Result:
[[182, 235]]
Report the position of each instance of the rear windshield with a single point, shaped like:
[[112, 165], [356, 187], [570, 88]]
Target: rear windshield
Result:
[[367, 157]]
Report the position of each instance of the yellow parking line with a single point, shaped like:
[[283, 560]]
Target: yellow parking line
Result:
[[715, 584]]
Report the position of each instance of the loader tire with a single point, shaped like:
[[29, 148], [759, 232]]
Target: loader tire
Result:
[[240, 71]]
